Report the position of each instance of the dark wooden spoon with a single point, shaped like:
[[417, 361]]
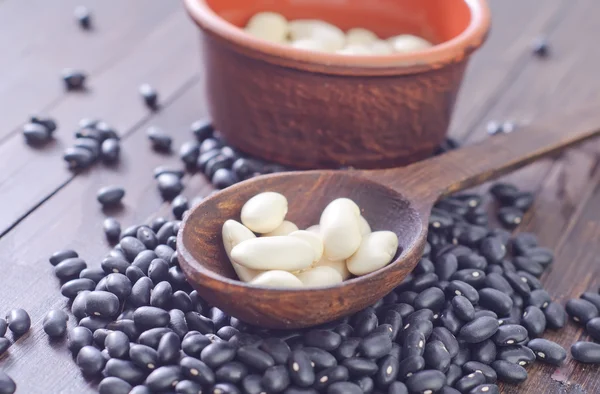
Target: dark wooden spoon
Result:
[[398, 199]]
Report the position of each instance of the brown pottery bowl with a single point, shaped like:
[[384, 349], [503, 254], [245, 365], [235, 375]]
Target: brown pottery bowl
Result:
[[308, 109]]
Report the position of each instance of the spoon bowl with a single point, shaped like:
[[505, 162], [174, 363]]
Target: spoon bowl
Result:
[[207, 265], [397, 199]]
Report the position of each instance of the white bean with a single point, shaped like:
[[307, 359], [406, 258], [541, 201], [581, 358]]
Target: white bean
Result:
[[264, 212], [286, 228], [340, 229], [360, 36], [354, 50], [310, 45], [277, 278], [381, 48], [331, 36], [376, 251], [233, 233], [320, 276], [364, 226], [274, 253], [314, 229], [313, 239], [408, 43], [339, 266], [268, 26]]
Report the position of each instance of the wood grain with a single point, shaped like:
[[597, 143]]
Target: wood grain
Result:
[[115, 100]]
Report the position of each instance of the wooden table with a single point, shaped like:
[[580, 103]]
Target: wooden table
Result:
[[46, 207]]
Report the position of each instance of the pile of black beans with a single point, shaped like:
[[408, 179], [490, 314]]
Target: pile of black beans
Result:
[[471, 314], [94, 140]]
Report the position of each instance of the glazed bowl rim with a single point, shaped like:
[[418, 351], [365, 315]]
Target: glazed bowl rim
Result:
[[451, 51]]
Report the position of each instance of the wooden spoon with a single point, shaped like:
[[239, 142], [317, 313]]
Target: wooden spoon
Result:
[[398, 199]]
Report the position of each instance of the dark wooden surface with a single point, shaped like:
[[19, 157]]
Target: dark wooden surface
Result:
[[46, 207]]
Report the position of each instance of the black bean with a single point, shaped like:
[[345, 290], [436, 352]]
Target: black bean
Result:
[[177, 278], [426, 380], [110, 150], [114, 385], [169, 185], [432, 298], [375, 345], [78, 305], [539, 298], [414, 344], [252, 385], [143, 260], [359, 367], [457, 287], [518, 283], [197, 322], [94, 322], [443, 335], [472, 261], [255, 358], [134, 274], [36, 134], [125, 370], [158, 270], [90, 361], [496, 301], [202, 129], [168, 348], [110, 195], [586, 352], [453, 374], [510, 334], [117, 344], [497, 281], [479, 329], [344, 388], [3, 327], [112, 229], [160, 140], [525, 264], [323, 359], [275, 379], [451, 321], [225, 388], [114, 265], [149, 95], [520, 355], [463, 308], [365, 383], [276, 348], [140, 292], [492, 249], [547, 351], [131, 247], [102, 303], [436, 356], [62, 255], [69, 268], [409, 366], [188, 387], [45, 121], [73, 287], [223, 178], [55, 323], [592, 327], [18, 321], [126, 326], [331, 375], [348, 348], [152, 337], [581, 310], [423, 282], [534, 321], [445, 266], [147, 317], [469, 382], [484, 352], [216, 354], [509, 372], [477, 367], [555, 315], [143, 356], [4, 345], [301, 370], [161, 295], [164, 378], [327, 340], [164, 252]]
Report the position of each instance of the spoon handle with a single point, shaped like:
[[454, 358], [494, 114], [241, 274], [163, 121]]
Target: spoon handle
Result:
[[428, 180]]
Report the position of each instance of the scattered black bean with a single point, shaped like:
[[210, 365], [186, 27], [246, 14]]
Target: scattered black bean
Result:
[[520, 355], [540, 47], [581, 310], [547, 351], [150, 96], [534, 321], [73, 287], [484, 352], [164, 378], [36, 134], [90, 361], [479, 329], [169, 185], [510, 334], [147, 317], [73, 79], [114, 385], [78, 338], [18, 321], [586, 352], [496, 301], [55, 323]]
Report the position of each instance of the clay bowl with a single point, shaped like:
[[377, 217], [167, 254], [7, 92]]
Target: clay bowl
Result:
[[314, 110]]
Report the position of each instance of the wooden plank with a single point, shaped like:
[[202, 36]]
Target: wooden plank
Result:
[[115, 100], [31, 65], [73, 218], [515, 24]]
